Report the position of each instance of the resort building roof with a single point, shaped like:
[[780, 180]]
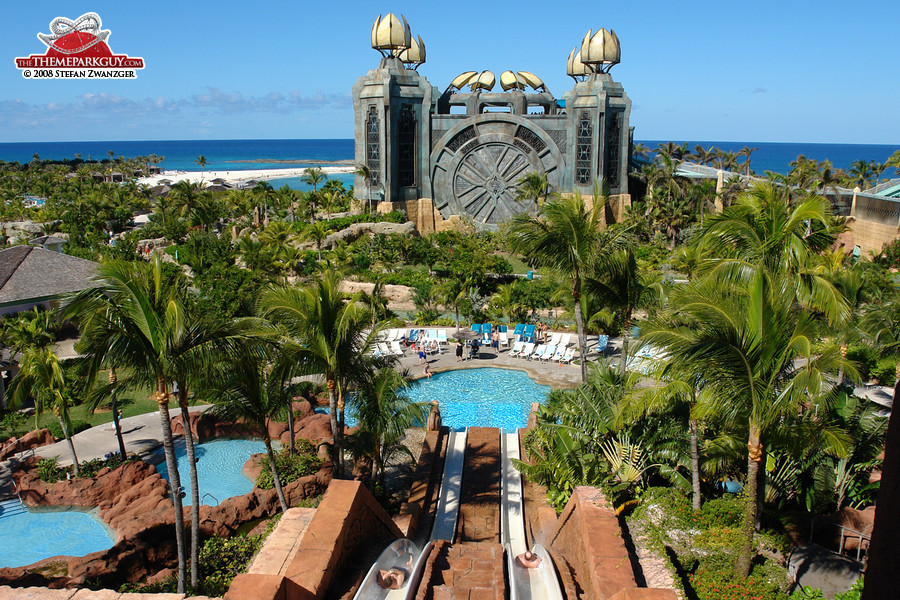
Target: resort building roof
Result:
[[30, 276]]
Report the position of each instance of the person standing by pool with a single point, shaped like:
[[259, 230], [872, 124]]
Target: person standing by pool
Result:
[[422, 355], [427, 371], [459, 350], [495, 341]]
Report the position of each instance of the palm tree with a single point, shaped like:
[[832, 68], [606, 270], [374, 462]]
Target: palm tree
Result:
[[313, 176], [894, 161], [532, 187], [861, 173], [41, 376], [384, 414], [453, 292], [753, 351], [366, 174], [186, 197], [568, 236], [137, 317], [746, 330], [316, 232], [328, 335], [246, 390], [201, 162]]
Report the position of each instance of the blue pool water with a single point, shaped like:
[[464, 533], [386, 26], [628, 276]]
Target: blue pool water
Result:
[[488, 397], [218, 468], [27, 536]]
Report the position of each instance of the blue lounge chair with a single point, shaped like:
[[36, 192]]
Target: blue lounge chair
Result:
[[502, 328], [602, 343], [528, 334], [518, 331], [476, 327], [486, 330], [413, 335]]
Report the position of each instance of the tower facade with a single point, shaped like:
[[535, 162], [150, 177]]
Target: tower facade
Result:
[[443, 156]]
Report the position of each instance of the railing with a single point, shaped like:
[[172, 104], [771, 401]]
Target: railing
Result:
[[211, 496], [846, 534]]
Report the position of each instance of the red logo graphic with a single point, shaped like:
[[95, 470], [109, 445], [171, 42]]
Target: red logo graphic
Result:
[[78, 49]]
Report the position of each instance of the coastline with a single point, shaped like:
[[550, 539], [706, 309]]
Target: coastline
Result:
[[236, 176]]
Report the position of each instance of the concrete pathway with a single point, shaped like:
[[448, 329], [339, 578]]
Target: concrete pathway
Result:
[[817, 567], [142, 434], [283, 543]]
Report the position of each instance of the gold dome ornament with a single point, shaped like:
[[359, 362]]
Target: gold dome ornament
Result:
[[576, 69], [413, 56], [462, 79], [536, 83], [485, 81], [390, 33], [601, 50], [511, 81]]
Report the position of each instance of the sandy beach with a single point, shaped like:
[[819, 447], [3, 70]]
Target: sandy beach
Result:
[[236, 176]]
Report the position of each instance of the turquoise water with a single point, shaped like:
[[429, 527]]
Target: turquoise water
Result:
[[488, 397], [27, 536], [233, 155], [219, 467], [295, 184]]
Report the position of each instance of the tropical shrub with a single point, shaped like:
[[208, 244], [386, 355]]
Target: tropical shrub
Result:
[[49, 472], [291, 467], [885, 370], [864, 356]]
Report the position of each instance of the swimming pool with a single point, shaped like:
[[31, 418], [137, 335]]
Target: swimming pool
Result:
[[219, 467], [487, 397], [27, 536]]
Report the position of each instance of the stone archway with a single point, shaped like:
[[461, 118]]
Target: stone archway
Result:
[[477, 165]]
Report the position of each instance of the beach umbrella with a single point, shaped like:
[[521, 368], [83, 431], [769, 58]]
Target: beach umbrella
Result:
[[466, 334]]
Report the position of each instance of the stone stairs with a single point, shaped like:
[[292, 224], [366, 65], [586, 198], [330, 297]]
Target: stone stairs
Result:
[[7, 487]]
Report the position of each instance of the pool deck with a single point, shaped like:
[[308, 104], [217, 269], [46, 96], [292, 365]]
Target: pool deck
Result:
[[543, 372]]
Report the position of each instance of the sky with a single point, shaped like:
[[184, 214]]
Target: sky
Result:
[[761, 71]]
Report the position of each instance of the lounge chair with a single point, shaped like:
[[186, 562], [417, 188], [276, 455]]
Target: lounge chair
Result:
[[558, 355], [516, 348], [565, 340], [442, 336], [518, 331], [549, 351], [504, 338], [397, 349], [432, 334], [383, 348], [476, 327], [486, 331], [528, 333], [537, 350], [554, 339], [526, 350], [412, 337], [602, 344], [568, 356], [501, 328]]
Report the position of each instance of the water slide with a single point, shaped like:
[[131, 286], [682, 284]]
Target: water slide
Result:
[[448, 504], [541, 582], [403, 555]]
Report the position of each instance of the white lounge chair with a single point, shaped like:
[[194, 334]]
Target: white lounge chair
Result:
[[549, 351], [565, 341], [535, 352], [397, 349], [554, 339], [560, 352], [516, 348], [526, 351], [568, 356], [383, 349], [504, 338], [442, 336]]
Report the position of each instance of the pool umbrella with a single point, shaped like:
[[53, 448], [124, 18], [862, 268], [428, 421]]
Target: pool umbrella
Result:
[[466, 334]]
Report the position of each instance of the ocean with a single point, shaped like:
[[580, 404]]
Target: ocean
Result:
[[235, 155]]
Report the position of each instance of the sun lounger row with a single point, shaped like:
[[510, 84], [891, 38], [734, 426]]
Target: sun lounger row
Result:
[[412, 336], [544, 352]]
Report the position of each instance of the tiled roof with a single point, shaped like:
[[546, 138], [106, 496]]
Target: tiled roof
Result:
[[28, 272]]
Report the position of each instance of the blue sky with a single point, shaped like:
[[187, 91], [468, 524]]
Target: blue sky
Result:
[[786, 71]]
